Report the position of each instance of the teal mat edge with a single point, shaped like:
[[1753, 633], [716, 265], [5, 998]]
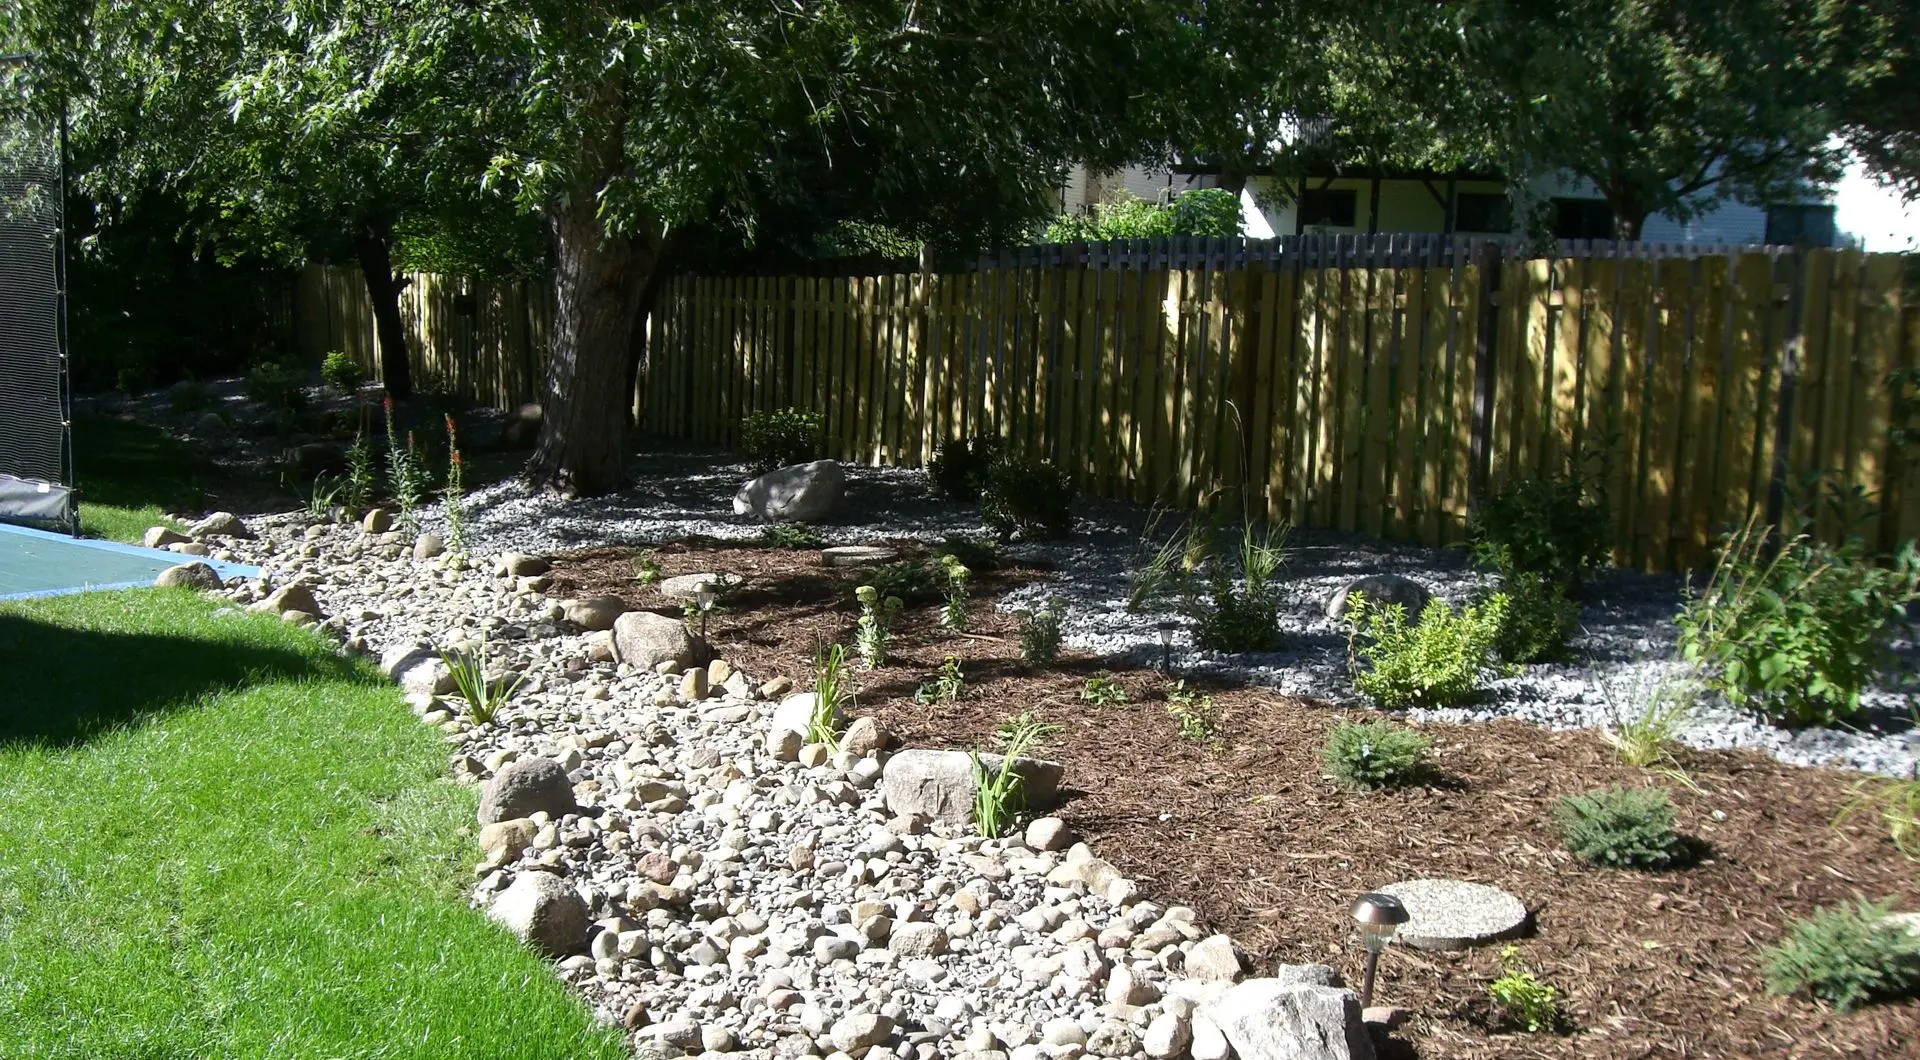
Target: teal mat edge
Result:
[[225, 570]]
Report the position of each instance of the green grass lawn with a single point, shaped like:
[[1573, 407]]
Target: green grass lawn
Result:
[[130, 474], [218, 839]]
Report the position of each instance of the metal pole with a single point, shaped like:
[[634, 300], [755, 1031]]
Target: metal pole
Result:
[[1366, 981]]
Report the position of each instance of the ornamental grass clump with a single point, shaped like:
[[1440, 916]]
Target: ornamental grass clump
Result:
[[1846, 956], [830, 688], [1623, 828], [1439, 662], [484, 697], [1374, 754], [999, 791]]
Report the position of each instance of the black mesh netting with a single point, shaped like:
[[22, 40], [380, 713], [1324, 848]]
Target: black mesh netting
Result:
[[33, 431]]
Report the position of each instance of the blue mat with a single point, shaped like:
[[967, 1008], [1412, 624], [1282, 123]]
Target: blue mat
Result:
[[37, 563]]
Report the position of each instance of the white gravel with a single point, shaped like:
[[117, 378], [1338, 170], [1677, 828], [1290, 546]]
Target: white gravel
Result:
[[1627, 641]]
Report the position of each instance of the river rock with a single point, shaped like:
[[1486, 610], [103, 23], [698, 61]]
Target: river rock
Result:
[[524, 787], [799, 494], [189, 576], [939, 784], [545, 911], [645, 640]]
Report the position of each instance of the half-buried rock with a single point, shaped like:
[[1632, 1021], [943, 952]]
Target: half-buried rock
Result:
[[289, 598], [524, 787], [1382, 590], [545, 911], [939, 784], [594, 613], [418, 670], [798, 494], [645, 640], [189, 576], [1266, 1019]]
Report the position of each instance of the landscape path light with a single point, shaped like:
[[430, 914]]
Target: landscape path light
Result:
[[1166, 646], [703, 596], [1379, 917]]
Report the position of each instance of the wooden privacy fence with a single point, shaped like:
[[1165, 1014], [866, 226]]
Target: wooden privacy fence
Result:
[[1370, 384], [484, 341]]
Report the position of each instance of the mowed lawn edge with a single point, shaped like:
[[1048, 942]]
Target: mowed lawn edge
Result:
[[217, 838]]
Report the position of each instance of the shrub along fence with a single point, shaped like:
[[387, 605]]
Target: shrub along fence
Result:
[[1373, 384]]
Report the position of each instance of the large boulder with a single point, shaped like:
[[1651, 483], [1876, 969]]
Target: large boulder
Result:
[[687, 586], [418, 670], [223, 524], [798, 494], [1268, 1019], [1382, 590], [594, 613], [545, 911], [289, 598], [524, 787], [189, 576], [644, 639], [939, 784]]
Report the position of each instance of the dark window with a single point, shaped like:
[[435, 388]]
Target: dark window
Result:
[[1482, 212], [1327, 206], [1582, 219], [1803, 225]]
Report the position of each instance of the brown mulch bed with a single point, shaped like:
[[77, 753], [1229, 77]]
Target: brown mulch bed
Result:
[[1248, 830]]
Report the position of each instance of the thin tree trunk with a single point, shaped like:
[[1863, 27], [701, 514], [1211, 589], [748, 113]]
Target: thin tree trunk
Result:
[[599, 284], [1628, 219], [383, 290]]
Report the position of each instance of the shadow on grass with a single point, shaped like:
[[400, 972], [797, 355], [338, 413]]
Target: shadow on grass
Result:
[[131, 465], [70, 685]]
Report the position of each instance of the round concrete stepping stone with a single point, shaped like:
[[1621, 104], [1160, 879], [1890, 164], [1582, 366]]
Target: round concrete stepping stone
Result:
[[857, 555], [1454, 914], [683, 586]]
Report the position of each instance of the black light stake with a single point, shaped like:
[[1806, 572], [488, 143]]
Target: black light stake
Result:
[[703, 596], [1166, 646], [1379, 916]]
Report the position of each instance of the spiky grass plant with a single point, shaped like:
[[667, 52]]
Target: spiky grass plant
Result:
[[831, 687], [998, 792], [484, 697]]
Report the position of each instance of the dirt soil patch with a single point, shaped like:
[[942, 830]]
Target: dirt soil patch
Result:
[[1248, 829]]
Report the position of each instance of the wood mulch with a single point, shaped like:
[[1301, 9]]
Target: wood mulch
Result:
[[1248, 830]]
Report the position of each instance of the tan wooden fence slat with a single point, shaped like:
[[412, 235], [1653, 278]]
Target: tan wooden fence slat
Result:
[[1377, 369], [1409, 427], [1661, 514], [1631, 327], [1566, 394], [1699, 455], [1876, 347]]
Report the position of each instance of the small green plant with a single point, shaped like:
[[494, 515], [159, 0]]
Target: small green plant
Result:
[[795, 536], [1896, 802], [1193, 711], [954, 613], [1794, 628], [910, 580], [1521, 997], [1237, 618], [1027, 496], [1625, 828], [976, 553], [1102, 690], [483, 697], [1040, 632], [958, 470], [453, 498], [360, 479], [831, 688], [324, 495], [342, 372], [1846, 956], [782, 437], [875, 628], [1374, 754], [1540, 618], [407, 478], [999, 794], [646, 568], [947, 685], [188, 396], [1439, 662], [1167, 563], [280, 388], [1644, 729], [1552, 525]]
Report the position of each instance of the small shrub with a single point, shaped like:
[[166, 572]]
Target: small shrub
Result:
[[954, 613], [1040, 633], [1102, 690], [1194, 712], [1029, 497], [1846, 956], [782, 437], [998, 796], [280, 388], [1210, 212], [1549, 526], [1439, 662], [1795, 635], [1374, 754], [910, 580], [958, 470], [1237, 619], [1539, 621], [188, 396], [831, 688], [342, 372], [976, 553], [1643, 730], [947, 685], [453, 498], [646, 568], [875, 629], [1896, 802], [360, 478], [1521, 997], [795, 536], [484, 697], [1626, 828]]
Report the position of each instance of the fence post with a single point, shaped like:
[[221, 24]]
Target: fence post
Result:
[[1484, 342], [1793, 339]]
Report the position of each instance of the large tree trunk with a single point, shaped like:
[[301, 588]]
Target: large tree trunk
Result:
[[599, 284], [383, 289], [1629, 217]]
